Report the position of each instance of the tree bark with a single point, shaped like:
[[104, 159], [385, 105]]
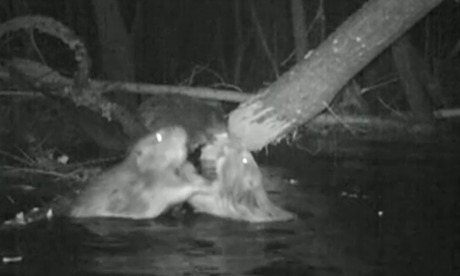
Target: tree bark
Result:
[[115, 46], [240, 43], [427, 79], [304, 91], [263, 39], [299, 29], [412, 84]]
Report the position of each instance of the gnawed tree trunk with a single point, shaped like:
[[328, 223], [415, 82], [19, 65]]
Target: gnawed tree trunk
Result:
[[306, 89], [413, 87]]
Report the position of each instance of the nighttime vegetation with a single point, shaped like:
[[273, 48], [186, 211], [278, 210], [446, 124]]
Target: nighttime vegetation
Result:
[[182, 119]]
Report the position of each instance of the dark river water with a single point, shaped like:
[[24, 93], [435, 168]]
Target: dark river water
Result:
[[377, 209]]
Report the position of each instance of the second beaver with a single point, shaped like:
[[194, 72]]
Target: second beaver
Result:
[[237, 190]]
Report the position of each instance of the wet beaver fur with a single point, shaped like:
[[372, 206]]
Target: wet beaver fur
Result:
[[154, 177], [237, 191]]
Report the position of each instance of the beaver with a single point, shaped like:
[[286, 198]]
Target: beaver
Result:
[[154, 177], [237, 191], [201, 119]]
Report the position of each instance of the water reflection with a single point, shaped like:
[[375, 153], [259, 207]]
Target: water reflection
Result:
[[401, 222]]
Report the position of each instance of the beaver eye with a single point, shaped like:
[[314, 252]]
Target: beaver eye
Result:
[[245, 160], [159, 137]]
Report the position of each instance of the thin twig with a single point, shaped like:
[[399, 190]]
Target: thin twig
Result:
[[390, 108], [21, 93], [39, 171], [227, 85], [39, 53], [288, 58], [26, 156], [16, 158], [312, 152], [378, 85], [345, 125]]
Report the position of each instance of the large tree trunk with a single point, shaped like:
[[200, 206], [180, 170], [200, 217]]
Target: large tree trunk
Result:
[[263, 38], [306, 89], [299, 29], [418, 100], [115, 46]]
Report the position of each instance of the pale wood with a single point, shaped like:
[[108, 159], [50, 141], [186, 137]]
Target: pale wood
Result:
[[307, 89]]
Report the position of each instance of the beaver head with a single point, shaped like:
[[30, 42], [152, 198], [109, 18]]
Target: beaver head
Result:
[[163, 149], [238, 190]]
